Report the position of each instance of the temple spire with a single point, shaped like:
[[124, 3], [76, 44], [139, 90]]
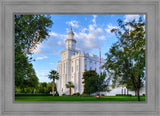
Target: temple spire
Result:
[[70, 41], [71, 28], [70, 34]]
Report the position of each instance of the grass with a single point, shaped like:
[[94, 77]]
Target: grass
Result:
[[77, 98]]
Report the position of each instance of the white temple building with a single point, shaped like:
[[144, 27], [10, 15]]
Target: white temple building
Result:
[[73, 64]]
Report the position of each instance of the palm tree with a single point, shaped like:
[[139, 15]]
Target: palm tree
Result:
[[69, 85], [53, 75]]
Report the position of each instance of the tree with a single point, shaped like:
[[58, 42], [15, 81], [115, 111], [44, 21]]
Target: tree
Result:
[[53, 75], [49, 87], [90, 81], [31, 79], [125, 61], [102, 83], [28, 78], [30, 30], [94, 82], [69, 85], [42, 87]]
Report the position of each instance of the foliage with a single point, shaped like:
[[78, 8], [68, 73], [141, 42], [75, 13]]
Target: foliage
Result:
[[125, 62], [90, 81], [94, 82], [76, 94], [31, 94], [44, 87], [63, 94], [123, 95], [102, 94], [53, 74], [27, 81], [102, 83], [57, 94], [84, 94], [30, 30], [70, 85]]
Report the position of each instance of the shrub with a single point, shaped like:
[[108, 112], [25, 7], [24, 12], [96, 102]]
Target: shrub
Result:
[[57, 94], [102, 95], [63, 94], [84, 94], [76, 94], [32, 94], [143, 95], [97, 94], [123, 95]]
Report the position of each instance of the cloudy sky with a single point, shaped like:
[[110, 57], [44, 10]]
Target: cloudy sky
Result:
[[91, 32]]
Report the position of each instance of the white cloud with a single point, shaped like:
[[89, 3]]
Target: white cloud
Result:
[[40, 58], [53, 45], [43, 76], [110, 27], [94, 19], [102, 37], [73, 23], [36, 49], [88, 38], [51, 63], [131, 17], [53, 34]]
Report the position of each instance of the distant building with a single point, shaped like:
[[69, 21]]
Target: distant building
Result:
[[123, 90], [73, 64]]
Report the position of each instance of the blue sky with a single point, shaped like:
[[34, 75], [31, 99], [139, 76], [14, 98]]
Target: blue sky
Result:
[[91, 32]]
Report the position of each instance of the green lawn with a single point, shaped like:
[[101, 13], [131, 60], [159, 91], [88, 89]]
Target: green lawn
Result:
[[77, 98]]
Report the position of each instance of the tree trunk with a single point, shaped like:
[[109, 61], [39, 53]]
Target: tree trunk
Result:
[[99, 94], [69, 91], [23, 90], [53, 87], [135, 92], [138, 96]]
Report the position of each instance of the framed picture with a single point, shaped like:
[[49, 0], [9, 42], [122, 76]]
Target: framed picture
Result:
[[77, 17]]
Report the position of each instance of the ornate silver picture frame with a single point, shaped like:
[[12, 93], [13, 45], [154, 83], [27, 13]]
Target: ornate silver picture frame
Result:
[[8, 8]]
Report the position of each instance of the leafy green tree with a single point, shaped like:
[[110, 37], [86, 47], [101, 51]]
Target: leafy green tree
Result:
[[42, 87], [90, 81], [125, 61], [31, 79], [30, 30], [102, 83], [69, 85], [53, 74], [49, 87]]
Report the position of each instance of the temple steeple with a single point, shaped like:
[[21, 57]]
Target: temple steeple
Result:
[[70, 41]]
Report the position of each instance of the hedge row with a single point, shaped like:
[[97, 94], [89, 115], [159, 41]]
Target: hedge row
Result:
[[123, 95], [31, 94]]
